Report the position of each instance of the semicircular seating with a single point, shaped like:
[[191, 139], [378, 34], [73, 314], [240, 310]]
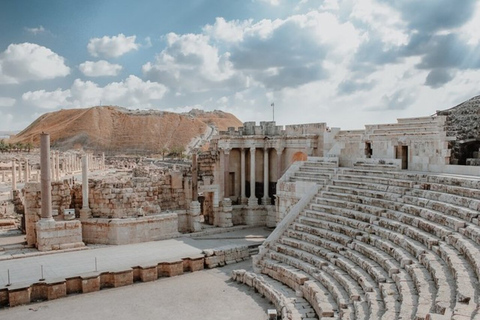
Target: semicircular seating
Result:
[[383, 245]]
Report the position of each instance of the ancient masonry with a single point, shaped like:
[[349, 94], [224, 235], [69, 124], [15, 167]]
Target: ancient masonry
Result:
[[381, 223]]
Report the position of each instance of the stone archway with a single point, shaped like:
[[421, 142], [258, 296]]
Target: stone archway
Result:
[[299, 156]]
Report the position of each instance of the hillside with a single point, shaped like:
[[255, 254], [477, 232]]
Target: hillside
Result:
[[119, 130]]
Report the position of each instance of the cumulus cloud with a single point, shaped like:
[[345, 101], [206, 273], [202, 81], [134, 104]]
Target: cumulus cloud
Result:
[[35, 31], [112, 47], [28, 61], [190, 62], [132, 92], [271, 53], [99, 68], [7, 102]]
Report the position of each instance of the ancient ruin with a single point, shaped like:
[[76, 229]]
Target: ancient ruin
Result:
[[380, 223]]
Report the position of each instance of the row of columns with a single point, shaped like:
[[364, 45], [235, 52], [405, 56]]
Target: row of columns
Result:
[[252, 200]]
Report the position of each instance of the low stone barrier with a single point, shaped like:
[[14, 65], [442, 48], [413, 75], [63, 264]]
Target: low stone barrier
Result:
[[54, 288]]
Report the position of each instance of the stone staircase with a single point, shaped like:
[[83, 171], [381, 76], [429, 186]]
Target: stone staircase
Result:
[[373, 244]]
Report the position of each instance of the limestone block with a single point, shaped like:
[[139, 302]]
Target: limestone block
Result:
[[170, 268], [4, 297], [90, 282], [194, 263], [39, 291], [56, 288], [148, 273], [122, 277], [73, 285], [19, 295]]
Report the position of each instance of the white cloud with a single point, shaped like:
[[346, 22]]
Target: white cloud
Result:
[[47, 99], [99, 68], [112, 47], [190, 63], [231, 31], [7, 102], [271, 2], [35, 31], [28, 61], [132, 92]]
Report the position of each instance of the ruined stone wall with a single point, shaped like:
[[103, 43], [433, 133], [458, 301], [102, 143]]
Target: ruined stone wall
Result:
[[61, 200], [137, 197]]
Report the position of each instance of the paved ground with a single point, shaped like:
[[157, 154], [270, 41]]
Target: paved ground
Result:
[[208, 294], [66, 264]]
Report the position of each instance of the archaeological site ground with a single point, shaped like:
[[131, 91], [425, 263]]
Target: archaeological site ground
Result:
[[155, 215]]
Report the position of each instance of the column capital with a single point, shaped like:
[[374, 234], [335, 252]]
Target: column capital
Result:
[[226, 150], [279, 150], [252, 148]]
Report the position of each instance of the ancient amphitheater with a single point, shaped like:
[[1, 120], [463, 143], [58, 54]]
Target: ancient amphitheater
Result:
[[380, 223]]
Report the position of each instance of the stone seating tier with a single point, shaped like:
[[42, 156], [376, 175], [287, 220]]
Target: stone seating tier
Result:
[[387, 244]]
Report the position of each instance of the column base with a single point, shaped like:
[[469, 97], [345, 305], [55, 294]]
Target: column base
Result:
[[266, 201], [243, 200], [252, 201], [85, 214]]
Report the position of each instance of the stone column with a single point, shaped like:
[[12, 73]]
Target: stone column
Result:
[[57, 165], [26, 175], [46, 184], [85, 212], [226, 173], [252, 200], [194, 176], [103, 160], [279, 162], [14, 175], [3, 176], [243, 199], [19, 171], [266, 199], [52, 166]]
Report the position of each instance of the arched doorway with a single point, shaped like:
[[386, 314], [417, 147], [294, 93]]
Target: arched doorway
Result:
[[299, 156]]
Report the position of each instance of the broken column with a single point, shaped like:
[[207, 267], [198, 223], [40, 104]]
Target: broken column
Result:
[[85, 212], [50, 234], [14, 175], [195, 207], [45, 178]]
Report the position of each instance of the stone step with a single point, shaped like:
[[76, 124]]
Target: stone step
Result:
[[449, 209], [457, 200], [279, 294], [308, 179], [388, 229], [369, 186], [363, 192], [377, 180], [320, 298], [309, 174], [308, 246]]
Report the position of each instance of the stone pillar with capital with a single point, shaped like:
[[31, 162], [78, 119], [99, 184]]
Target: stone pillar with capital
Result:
[[243, 198], [266, 199], [279, 162], [14, 175], [252, 201], [57, 165], [45, 177], [226, 173], [85, 212], [27, 173]]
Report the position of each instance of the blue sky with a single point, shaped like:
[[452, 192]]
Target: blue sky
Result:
[[344, 62]]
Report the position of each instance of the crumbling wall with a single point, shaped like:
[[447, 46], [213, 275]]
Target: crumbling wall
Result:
[[137, 197]]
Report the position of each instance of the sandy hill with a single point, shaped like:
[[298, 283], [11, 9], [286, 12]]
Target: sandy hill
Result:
[[119, 130]]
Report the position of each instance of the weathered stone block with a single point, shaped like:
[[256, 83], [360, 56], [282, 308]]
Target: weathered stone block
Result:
[[170, 268], [18, 295], [56, 289], [148, 273], [90, 282]]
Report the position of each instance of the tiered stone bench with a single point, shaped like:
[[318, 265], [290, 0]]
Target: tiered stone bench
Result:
[[383, 244]]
